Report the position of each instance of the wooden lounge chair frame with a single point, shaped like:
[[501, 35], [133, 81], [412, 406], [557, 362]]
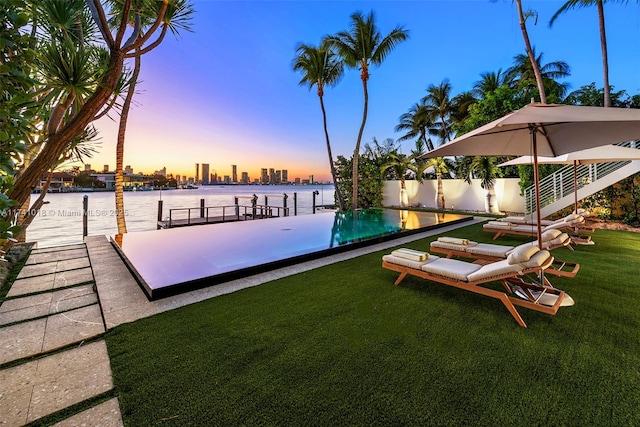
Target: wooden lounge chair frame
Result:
[[507, 280]]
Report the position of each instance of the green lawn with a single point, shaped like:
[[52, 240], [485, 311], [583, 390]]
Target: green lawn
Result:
[[340, 345]]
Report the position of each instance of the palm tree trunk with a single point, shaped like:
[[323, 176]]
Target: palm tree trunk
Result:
[[331, 164], [605, 61], [122, 129], [356, 152], [440, 194], [534, 63]]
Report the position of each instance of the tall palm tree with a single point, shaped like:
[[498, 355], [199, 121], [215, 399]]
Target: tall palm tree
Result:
[[417, 124], [360, 47], [440, 105], [571, 4], [177, 17], [522, 75], [320, 67], [522, 18]]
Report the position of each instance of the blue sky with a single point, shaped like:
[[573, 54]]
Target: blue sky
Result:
[[226, 93]]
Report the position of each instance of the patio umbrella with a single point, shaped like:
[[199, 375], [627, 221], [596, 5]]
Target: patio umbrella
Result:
[[606, 153], [545, 130]]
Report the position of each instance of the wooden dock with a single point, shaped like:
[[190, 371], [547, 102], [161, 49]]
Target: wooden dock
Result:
[[184, 217]]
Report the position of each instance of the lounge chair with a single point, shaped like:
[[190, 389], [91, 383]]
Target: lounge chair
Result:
[[511, 272], [551, 239], [544, 222], [571, 223]]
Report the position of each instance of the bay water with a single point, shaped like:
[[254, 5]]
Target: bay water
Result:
[[60, 219]]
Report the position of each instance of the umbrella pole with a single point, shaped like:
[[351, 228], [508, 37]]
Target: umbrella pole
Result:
[[532, 129], [575, 186]]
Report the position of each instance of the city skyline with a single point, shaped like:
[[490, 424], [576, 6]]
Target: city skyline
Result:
[[240, 96]]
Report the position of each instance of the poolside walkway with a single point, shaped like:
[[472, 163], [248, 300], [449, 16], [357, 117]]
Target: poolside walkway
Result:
[[53, 358]]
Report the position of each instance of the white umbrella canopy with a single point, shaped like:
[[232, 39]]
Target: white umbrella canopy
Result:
[[558, 129], [605, 153], [545, 130]]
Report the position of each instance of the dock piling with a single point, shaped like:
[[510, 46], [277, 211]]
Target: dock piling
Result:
[[159, 214], [85, 216]]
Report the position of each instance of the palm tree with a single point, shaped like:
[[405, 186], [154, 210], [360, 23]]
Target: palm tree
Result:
[[440, 166], [603, 38], [400, 165], [72, 110], [489, 82], [440, 105], [417, 124], [176, 17], [483, 168], [321, 67], [522, 18], [361, 47], [522, 74]]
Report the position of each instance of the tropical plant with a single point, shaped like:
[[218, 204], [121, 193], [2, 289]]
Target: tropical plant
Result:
[[440, 106], [441, 166], [360, 47], [590, 95], [487, 171], [79, 65], [402, 165], [320, 67], [522, 75], [370, 194], [490, 81], [571, 4], [417, 124]]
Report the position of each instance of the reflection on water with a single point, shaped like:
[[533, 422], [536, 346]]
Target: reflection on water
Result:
[[60, 220]]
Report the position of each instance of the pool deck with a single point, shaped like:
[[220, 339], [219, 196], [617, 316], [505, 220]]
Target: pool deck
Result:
[[53, 357]]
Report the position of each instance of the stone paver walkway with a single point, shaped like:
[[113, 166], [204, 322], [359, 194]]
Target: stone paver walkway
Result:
[[51, 352]]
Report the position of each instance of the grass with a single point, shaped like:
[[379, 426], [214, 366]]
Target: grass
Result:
[[340, 345]]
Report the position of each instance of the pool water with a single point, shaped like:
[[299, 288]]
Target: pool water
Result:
[[176, 260]]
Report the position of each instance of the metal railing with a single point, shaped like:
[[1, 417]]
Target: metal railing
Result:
[[561, 183], [217, 214]]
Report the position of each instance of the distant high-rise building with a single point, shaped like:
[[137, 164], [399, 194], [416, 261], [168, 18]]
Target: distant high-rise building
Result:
[[297, 181], [178, 179], [285, 176], [278, 177], [161, 172], [234, 173], [310, 179], [128, 170], [264, 176], [197, 173], [205, 174], [272, 176], [245, 178], [105, 168]]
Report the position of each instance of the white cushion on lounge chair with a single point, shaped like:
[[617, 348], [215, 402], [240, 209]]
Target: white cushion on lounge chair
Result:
[[407, 262], [451, 268], [522, 254], [488, 249], [410, 254], [497, 224], [550, 234], [538, 259], [494, 269], [456, 241]]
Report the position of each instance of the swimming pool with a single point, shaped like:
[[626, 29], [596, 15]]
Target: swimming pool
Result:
[[176, 260]]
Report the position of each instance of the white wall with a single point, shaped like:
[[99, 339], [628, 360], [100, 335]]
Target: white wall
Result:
[[457, 194]]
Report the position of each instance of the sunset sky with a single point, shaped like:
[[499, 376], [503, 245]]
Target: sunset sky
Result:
[[226, 93]]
